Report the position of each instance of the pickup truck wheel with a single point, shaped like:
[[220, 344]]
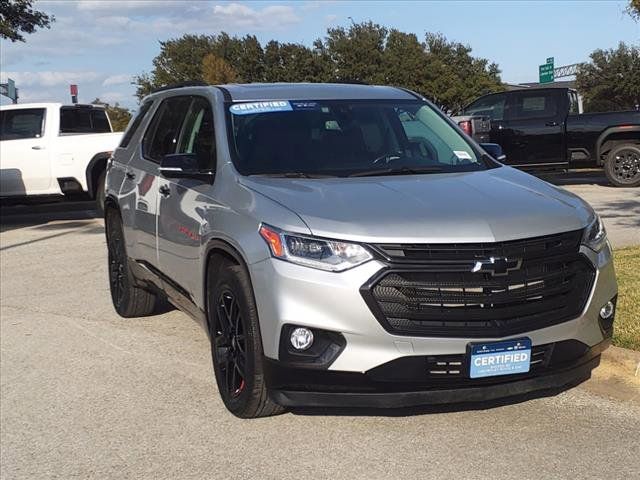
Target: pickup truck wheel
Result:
[[100, 193], [236, 347], [128, 300], [623, 165]]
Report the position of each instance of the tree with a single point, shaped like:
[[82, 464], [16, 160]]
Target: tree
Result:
[[457, 77], [292, 62], [357, 54], [367, 52], [633, 9], [180, 60], [18, 16], [118, 115], [216, 71], [610, 80]]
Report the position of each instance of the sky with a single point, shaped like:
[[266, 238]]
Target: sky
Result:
[[101, 45]]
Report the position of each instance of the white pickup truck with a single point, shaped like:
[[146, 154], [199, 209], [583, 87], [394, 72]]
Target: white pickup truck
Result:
[[50, 150]]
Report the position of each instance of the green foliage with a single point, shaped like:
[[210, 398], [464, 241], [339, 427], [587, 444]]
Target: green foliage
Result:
[[216, 71], [118, 115], [18, 16], [610, 81], [441, 70], [633, 9]]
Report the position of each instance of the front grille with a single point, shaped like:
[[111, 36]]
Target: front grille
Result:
[[431, 290]]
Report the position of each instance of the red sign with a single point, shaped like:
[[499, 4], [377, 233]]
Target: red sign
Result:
[[73, 89]]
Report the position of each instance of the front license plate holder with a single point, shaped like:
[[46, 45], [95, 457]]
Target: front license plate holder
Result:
[[507, 357]]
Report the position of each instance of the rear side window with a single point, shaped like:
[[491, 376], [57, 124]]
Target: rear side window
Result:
[[161, 137], [135, 123], [22, 123], [83, 120], [492, 106], [535, 105]]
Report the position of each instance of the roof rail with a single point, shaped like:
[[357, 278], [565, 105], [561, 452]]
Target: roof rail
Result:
[[349, 81], [190, 83]]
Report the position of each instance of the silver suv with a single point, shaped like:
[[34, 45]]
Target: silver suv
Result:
[[349, 245]]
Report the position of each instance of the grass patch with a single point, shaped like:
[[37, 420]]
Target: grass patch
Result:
[[627, 325]]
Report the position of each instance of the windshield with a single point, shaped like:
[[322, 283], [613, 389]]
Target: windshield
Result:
[[346, 138]]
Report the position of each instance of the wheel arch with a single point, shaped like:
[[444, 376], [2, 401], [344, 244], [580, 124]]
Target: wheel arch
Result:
[[613, 135], [96, 166], [217, 251], [111, 203]]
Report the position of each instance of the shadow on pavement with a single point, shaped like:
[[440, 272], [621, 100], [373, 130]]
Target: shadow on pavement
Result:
[[577, 177], [69, 214]]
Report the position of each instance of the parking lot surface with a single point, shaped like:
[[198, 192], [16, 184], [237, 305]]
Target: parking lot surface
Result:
[[86, 394], [618, 207]]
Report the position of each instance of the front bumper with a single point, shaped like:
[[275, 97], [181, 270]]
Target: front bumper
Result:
[[288, 294], [297, 387]]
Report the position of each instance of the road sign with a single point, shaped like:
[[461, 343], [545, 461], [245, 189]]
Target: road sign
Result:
[[546, 73], [550, 60], [9, 90]]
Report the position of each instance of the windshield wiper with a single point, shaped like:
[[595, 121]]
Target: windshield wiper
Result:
[[397, 171], [292, 175]]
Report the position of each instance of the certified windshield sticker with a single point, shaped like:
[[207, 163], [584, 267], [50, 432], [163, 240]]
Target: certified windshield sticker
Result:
[[462, 155], [260, 107]]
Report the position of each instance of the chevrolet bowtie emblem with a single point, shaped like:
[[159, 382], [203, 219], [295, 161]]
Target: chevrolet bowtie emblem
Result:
[[497, 266]]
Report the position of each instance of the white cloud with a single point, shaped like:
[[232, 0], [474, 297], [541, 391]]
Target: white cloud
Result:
[[330, 19], [138, 6], [117, 79], [238, 15], [51, 79], [114, 97]]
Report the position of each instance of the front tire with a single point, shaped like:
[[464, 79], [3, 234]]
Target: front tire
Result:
[[622, 167], [128, 299], [236, 347]]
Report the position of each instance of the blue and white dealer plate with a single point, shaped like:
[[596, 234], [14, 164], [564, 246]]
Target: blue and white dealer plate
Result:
[[500, 358]]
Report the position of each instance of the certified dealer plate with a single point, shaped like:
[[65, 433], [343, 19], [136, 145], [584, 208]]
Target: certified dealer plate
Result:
[[500, 358]]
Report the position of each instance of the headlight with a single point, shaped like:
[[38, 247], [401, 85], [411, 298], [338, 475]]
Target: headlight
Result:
[[331, 255], [595, 236]]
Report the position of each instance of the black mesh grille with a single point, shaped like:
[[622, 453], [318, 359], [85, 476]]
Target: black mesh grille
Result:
[[431, 290]]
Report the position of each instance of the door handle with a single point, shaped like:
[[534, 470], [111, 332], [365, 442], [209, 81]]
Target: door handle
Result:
[[130, 175], [551, 124], [37, 147], [164, 190]]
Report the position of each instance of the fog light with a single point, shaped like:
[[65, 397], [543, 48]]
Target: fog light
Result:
[[301, 338], [607, 310]]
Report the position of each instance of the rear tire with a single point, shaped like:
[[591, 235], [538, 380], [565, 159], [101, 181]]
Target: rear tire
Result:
[[236, 346], [100, 193], [128, 299], [622, 166]]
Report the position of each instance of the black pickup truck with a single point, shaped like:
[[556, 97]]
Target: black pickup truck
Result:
[[542, 129]]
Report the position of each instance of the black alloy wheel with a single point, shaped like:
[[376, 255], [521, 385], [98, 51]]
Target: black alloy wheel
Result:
[[128, 299], [230, 344], [623, 166], [117, 262], [236, 343]]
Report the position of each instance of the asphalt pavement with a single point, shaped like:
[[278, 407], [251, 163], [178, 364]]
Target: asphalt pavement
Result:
[[86, 394]]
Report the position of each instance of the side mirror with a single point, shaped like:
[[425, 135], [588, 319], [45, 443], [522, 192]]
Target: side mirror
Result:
[[494, 150], [184, 165]]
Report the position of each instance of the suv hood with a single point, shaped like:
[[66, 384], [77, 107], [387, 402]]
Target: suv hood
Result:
[[493, 205]]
